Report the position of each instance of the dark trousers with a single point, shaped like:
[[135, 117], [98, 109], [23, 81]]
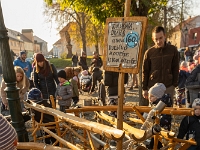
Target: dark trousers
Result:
[[75, 100], [62, 108]]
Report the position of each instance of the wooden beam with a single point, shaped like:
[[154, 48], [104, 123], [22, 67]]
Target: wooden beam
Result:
[[104, 130]]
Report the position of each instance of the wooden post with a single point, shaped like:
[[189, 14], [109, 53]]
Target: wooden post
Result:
[[121, 86]]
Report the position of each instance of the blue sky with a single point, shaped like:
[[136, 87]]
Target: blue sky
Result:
[[28, 14]]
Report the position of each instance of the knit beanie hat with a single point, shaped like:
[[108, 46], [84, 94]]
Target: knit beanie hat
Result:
[[196, 102], [62, 74], [39, 57], [157, 90], [84, 72], [35, 95], [8, 135], [21, 53]]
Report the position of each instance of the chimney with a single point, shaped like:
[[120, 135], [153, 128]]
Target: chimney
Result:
[[28, 33]]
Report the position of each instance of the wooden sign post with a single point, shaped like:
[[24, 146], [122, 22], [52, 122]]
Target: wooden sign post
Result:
[[124, 38]]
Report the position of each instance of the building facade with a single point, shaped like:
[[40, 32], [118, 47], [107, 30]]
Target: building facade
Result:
[[26, 41], [186, 34]]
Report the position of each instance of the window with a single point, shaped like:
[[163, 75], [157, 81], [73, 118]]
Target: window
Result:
[[195, 36]]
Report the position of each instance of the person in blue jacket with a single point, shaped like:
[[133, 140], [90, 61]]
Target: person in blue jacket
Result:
[[25, 65]]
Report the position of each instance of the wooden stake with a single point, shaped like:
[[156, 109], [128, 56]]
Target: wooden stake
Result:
[[121, 86]]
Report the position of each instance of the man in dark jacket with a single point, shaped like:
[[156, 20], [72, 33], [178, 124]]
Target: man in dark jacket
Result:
[[75, 60], [97, 61], [160, 64], [83, 61]]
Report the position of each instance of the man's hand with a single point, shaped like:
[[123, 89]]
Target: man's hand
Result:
[[145, 94], [58, 97]]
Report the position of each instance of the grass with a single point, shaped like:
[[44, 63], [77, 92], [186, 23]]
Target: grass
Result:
[[62, 63]]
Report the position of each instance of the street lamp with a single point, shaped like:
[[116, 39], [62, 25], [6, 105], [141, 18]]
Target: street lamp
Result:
[[12, 92], [185, 31], [18, 37]]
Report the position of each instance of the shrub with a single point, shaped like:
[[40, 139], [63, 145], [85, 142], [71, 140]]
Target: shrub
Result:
[[63, 55]]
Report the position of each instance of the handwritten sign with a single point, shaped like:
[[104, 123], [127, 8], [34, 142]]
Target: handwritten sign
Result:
[[123, 42]]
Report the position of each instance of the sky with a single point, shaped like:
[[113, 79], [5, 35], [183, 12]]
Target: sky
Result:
[[28, 14]]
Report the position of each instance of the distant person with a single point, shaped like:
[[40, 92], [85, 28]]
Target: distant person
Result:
[[45, 76], [75, 60], [160, 64], [111, 81], [64, 91], [83, 61], [193, 80], [135, 82], [96, 60], [70, 76], [25, 65], [96, 75], [189, 126], [187, 54], [8, 135]]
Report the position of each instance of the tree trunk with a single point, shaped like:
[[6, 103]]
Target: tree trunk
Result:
[[96, 40], [83, 30]]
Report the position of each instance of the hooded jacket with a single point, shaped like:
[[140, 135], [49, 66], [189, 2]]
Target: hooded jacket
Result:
[[65, 91], [160, 65]]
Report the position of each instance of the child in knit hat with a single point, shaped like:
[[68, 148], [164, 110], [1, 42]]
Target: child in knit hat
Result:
[[35, 95], [157, 94], [190, 126], [64, 91], [8, 135]]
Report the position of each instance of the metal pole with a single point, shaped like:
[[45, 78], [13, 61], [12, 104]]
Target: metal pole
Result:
[[10, 80]]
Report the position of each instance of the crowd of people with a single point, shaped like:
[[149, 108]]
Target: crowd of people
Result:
[[162, 73]]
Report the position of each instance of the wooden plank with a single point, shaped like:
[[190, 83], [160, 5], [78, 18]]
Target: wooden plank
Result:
[[101, 129], [167, 110], [37, 146]]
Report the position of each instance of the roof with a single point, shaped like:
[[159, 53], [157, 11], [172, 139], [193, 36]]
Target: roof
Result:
[[184, 23], [13, 34], [27, 30], [57, 42], [25, 39], [66, 27], [39, 40]]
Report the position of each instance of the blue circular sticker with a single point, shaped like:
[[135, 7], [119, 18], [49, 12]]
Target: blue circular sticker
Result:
[[132, 39]]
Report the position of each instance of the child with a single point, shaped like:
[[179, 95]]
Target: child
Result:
[[190, 126], [64, 91], [157, 94], [22, 84], [70, 74], [35, 96], [76, 71], [85, 80]]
